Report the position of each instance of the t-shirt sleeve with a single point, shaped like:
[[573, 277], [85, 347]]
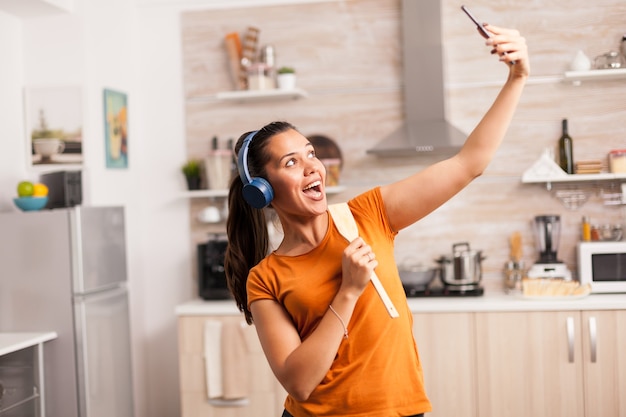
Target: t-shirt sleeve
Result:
[[369, 208], [257, 288]]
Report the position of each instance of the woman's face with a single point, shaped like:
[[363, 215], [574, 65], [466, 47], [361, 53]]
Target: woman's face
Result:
[[296, 175]]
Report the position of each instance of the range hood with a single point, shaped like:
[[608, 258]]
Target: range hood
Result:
[[426, 129]]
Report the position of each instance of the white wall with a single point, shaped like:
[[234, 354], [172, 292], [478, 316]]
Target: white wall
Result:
[[165, 216], [104, 44], [12, 157]]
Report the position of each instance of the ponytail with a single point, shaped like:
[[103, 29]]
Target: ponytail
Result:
[[246, 227], [248, 244]]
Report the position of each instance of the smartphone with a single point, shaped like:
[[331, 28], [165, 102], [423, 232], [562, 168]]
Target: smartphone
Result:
[[479, 25]]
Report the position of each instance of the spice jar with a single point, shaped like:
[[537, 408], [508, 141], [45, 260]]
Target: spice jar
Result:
[[595, 233], [260, 77], [617, 161]]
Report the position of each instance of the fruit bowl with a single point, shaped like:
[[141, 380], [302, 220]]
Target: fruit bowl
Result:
[[31, 203]]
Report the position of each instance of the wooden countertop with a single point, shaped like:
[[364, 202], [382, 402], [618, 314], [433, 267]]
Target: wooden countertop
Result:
[[491, 301]]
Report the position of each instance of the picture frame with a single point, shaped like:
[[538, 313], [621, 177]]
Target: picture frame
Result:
[[54, 126], [116, 128]]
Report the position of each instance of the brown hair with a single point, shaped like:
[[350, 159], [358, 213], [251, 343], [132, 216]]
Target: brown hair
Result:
[[246, 227]]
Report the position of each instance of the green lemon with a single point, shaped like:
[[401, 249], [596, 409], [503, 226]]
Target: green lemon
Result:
[[25, 189]]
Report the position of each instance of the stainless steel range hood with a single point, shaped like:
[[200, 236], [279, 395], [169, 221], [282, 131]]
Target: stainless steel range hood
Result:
[[426, 129]]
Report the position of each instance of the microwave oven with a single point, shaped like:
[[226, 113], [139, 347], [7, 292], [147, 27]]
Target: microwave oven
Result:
[[66, 188], [603, 265]]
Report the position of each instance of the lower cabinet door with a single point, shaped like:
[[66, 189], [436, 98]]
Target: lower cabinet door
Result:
[[529, 364], [604, 362], [265, 395], [447, 352]]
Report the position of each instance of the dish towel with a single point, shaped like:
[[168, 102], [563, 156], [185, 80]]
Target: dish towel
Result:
[[226, 363]]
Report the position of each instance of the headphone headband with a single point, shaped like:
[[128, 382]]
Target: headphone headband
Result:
[[242, 159], [257, 191]]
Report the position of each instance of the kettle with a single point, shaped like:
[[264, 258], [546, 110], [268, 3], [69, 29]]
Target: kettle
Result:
[[610, 60]]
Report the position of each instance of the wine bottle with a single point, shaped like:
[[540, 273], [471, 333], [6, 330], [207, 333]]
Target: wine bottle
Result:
[[566, 150]]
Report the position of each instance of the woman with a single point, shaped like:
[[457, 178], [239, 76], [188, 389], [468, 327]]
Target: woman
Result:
[[325, 333]]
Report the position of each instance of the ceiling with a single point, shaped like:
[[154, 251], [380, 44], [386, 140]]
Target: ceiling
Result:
[[36, 8]]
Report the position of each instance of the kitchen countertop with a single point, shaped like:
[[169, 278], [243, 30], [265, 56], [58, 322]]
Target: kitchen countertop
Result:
[[12, 342], [490, 302]]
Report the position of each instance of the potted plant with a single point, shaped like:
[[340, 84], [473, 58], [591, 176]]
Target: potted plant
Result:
[[191, 170], [286, 77]]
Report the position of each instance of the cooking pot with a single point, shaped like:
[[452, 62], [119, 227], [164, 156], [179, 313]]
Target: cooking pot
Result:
[[417, 277], [463, 270]]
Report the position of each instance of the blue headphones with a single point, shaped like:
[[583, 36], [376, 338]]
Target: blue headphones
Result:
[[257, 191]]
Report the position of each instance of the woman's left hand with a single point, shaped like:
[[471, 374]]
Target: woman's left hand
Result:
[[510, 47]]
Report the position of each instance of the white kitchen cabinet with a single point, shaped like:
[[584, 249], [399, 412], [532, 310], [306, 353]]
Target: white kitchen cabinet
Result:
[[266, 395], [495, 355], [447, 352], [539, 364], [22, 389], [604, 362]]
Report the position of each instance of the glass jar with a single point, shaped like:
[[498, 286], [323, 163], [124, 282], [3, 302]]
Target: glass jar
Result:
[[260, 77], [617, 161]]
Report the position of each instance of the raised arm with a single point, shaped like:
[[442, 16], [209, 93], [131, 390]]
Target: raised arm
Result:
[[412, 198]]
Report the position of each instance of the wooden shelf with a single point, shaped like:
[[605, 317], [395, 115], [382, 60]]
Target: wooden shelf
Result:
[[595, 75], [224, 193], [245, 96]]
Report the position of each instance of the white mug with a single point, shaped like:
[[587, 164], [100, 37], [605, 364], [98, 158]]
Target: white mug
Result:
[[46, 147], [210, 214]]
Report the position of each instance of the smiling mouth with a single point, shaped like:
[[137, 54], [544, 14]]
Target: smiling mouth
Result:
[[314, 187]]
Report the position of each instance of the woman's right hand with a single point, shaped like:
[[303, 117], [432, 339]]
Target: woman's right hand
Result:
[[358, 263]]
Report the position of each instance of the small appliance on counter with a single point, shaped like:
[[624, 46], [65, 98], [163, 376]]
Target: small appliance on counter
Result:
[[65, 188], [603, 266], [547, 232], [211, 276]]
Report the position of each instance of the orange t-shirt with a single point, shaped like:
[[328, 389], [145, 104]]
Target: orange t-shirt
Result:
[[377, 371]]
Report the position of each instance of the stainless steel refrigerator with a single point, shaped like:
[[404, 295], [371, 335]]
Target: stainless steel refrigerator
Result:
[[64, 270]]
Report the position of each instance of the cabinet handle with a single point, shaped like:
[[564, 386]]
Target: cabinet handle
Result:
[[593, 339], [570, 339]]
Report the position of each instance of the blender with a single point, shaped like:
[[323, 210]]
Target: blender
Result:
[[547, 232]]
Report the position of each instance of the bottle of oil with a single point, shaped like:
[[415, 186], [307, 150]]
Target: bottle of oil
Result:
[[566, 150], [586, 229]]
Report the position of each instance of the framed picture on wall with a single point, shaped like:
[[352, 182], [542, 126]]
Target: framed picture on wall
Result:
[[54, 120], [116, 128]]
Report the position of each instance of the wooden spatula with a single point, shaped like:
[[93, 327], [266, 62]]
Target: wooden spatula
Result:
[[342, 216]]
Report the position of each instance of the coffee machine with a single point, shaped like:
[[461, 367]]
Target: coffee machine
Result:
[[547, 232], [211, 276]]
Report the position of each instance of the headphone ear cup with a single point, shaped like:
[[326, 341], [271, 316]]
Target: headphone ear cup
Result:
[[258, 193]]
